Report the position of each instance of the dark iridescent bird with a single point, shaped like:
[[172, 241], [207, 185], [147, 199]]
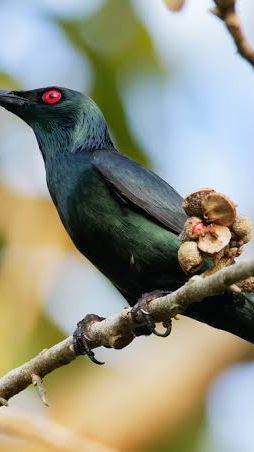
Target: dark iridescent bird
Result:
[[123, 217]]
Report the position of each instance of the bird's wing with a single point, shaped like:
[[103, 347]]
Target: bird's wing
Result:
[[142, 188]]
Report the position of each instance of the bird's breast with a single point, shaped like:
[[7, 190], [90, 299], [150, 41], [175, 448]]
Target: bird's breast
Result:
[[134, 252]]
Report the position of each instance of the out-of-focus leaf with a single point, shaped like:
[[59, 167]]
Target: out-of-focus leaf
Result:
[[2, 245], [22, 221], [113, 50], [174, 5], [44, 334], [186, 438], [2, 241], [8, 82]]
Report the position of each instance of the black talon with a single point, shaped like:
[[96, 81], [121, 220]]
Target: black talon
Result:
[[151, 326], [142, 308], [81, 337], [168, 326], [81, 347]]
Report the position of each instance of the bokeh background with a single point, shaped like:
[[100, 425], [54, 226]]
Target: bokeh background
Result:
[[178, 99]]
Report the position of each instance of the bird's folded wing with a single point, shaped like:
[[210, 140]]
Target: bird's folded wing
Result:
[[231, 312], [142, 188]]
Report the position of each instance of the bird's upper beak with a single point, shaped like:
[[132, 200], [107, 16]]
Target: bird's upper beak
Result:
[[9, 99]]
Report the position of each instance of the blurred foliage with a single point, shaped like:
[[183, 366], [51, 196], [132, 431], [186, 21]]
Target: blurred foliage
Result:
[[185, 439], [174, 5], [9, 82], [2, 243], [155, 403], [114, 51]]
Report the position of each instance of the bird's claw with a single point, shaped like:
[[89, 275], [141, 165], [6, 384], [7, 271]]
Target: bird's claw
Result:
[[151, 325], [81, 337], [142, 307]]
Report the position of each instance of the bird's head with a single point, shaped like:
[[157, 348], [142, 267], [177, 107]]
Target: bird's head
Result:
[[61, 118]]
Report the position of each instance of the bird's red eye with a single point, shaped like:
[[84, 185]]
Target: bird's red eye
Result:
[[52, 96]]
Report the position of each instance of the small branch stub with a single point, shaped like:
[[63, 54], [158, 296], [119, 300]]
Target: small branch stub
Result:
[[226, 11], [37, 381]]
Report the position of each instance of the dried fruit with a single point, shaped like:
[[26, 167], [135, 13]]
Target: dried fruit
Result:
[[242, 227], [219, 209], [189, 257], [223, 262], [217, 238], [193, 228], [234, 251], [193, 202], [247, 285], [213, 230]]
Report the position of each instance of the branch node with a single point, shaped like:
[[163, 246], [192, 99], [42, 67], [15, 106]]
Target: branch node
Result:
[[37, 381], [225, 10]]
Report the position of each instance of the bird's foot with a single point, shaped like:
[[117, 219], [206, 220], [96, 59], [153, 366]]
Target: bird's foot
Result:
[[81, 337], [142, 306]]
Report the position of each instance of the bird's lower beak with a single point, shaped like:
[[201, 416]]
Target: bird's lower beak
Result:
[[9, 98]]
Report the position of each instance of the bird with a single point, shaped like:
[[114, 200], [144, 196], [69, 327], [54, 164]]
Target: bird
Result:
[[122, 216]]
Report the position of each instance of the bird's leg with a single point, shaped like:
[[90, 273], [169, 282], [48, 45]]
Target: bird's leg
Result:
[[81, 337], [142, 306]]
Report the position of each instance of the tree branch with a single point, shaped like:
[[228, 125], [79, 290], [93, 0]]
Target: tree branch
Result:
[[117, 331], [226, 11]]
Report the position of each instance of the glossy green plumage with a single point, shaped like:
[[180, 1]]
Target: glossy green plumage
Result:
[[131, 249], [121, 216]]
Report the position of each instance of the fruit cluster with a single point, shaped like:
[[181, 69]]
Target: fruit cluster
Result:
[[212, 230]]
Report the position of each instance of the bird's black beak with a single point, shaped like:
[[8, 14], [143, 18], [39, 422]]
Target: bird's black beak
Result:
[[9, 99]]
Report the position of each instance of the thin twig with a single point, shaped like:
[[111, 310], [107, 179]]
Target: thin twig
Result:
[[116, 331], [42, 364], [226, 11]]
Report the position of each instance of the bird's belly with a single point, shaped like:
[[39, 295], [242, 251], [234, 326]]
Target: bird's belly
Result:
[[135, 253]]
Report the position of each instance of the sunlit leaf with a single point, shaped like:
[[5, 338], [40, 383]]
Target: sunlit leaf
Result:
[[174, 5], [8, 82]]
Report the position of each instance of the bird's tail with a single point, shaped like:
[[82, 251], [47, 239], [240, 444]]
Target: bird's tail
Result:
[[232, 312]]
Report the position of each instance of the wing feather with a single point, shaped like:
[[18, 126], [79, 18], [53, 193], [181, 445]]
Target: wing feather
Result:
[[142, 188]]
